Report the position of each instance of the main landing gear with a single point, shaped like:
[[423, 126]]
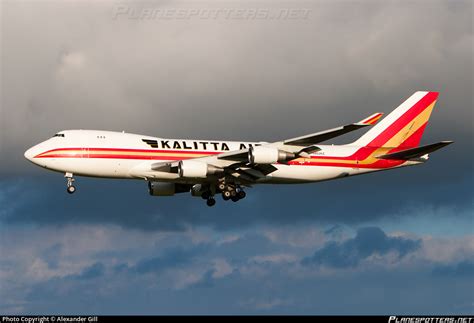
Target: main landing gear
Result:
[[210, 201], [70, 180], [230, 192]]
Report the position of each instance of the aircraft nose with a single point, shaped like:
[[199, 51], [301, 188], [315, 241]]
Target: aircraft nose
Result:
[[30, 153]]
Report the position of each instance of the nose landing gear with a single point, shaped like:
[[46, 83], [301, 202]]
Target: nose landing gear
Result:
[[70, 180]]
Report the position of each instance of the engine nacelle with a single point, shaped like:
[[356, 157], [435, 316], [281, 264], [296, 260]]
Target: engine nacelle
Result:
[[166, 189], [197, 169], [268, 155]]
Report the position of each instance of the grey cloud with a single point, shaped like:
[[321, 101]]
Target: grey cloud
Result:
[[120, 268], [463, 268], [204, 78], [368, 241], [254, 286], [51, 255], [196, 80], [127, 204], [122, 282], [93, 271], [373, 292], [70, 65], [170, 259], [207, 280]]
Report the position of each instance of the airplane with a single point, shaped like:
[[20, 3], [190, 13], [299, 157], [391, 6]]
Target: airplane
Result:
[[208, 167]]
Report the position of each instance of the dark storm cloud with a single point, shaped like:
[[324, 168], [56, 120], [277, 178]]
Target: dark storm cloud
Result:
[[195, 80], [368, 242], [127, 203], [112, 249], [72, 65]]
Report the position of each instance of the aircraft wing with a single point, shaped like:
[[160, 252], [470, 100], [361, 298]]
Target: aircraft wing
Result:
[[318, 137], [236, 163], [305, 145]]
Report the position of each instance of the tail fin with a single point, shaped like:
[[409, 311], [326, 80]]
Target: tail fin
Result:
[[404, 126]]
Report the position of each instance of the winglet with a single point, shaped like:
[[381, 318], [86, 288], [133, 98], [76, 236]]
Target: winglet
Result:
[[372, 119]]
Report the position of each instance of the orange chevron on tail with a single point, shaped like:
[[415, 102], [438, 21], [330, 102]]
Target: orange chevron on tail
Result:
[[403, 127]]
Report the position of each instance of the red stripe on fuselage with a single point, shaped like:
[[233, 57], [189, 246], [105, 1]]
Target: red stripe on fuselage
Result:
[[184, 151], [361, 154], [379, 164], [112, 156]]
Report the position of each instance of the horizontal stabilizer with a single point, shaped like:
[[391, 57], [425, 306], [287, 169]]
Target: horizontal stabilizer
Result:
[[415, 152]]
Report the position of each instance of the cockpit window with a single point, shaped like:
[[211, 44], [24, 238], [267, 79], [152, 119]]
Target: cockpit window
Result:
[[59, 135]]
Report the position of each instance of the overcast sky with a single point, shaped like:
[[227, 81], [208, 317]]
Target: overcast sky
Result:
[[399, 241]]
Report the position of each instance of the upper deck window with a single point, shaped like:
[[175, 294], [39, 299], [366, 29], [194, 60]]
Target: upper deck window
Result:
[[59, 135]]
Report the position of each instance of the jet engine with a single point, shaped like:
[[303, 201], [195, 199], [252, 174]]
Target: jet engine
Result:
[[166, 189], [268, 155], [197, 169]]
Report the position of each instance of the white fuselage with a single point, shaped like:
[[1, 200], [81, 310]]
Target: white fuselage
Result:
[[122, 155], [207, 167]]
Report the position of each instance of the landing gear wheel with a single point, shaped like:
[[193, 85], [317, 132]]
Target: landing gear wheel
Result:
[[226, 195], [241, 195], [211, 201], [234, 198], [221, 186], [70, 181], [225, 198], [71, 189], [233, 193]]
